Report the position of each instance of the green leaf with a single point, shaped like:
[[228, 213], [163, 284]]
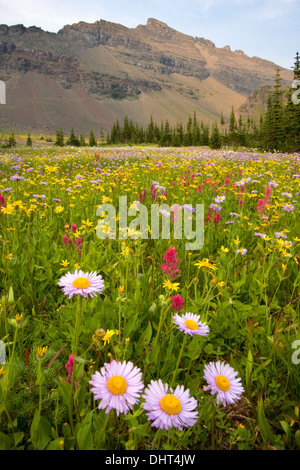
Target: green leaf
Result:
[[65, 390], [286, 427], [297, 438], [146, 336], [84, 433], [56, 444], [40, 431], [249, 366], [5, 442], [11, 297], [263, 424]]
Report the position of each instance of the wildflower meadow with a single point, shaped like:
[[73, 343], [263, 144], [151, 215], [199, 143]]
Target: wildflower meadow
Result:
[[124, 342]]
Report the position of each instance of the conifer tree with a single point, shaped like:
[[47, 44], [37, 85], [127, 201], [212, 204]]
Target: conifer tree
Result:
[[29, 141], [11, 141], [215, 139], [92, 140], [73, 140], [222, 120], [59, 138]]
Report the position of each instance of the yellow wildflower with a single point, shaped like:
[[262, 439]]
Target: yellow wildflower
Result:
[[205, 263], [19, 317], [108, 335], [64, 263], [121, 290], [237, 241], [41, 352], [171, 285]]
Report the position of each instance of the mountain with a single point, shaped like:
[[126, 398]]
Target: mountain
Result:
[[86, 75]]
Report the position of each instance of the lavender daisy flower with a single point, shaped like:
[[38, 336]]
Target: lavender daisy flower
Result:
[[17, 178], [242, 251], [280, 235], [188, 208], [167, 410], [81, 283], [221, 380], [165, 213], [39, 196], [215, 207], [288, 207], [219, 199], [190, 324], [261, 235], [118, 385]]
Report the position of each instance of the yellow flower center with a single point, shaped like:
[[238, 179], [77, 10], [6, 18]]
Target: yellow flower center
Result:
[[81, 283], [170, 404], [191, 324], [117, 385], [222, 383]]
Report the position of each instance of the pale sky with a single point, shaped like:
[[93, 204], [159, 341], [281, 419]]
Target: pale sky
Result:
[[265, 28]]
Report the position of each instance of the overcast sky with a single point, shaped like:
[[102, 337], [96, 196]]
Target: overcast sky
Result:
[[265, 28]]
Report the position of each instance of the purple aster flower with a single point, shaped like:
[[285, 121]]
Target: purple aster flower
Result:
[[280, 235], [6, 190], [165, 213], [219, 199], [242, 251], [261, 235], [215, 207], [288, 207], [222, 381], [190, 324], [39, 196], [17, 178], [188, 208], [118, 385], [81, 283], [167, 410]]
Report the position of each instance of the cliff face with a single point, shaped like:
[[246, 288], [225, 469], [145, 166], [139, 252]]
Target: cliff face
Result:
[[148, 70]]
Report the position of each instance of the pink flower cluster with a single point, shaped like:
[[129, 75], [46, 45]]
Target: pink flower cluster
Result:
[[69, 367], [142, 195], [171, 268], [177, 302], [2, 201], [262, 203], [217, 217], [68, 241]]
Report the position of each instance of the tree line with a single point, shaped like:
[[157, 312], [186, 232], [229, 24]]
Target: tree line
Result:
[[278, 129]]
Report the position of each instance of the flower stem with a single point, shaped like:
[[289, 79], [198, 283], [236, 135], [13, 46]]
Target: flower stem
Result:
[[75, 351], [178, 361]]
